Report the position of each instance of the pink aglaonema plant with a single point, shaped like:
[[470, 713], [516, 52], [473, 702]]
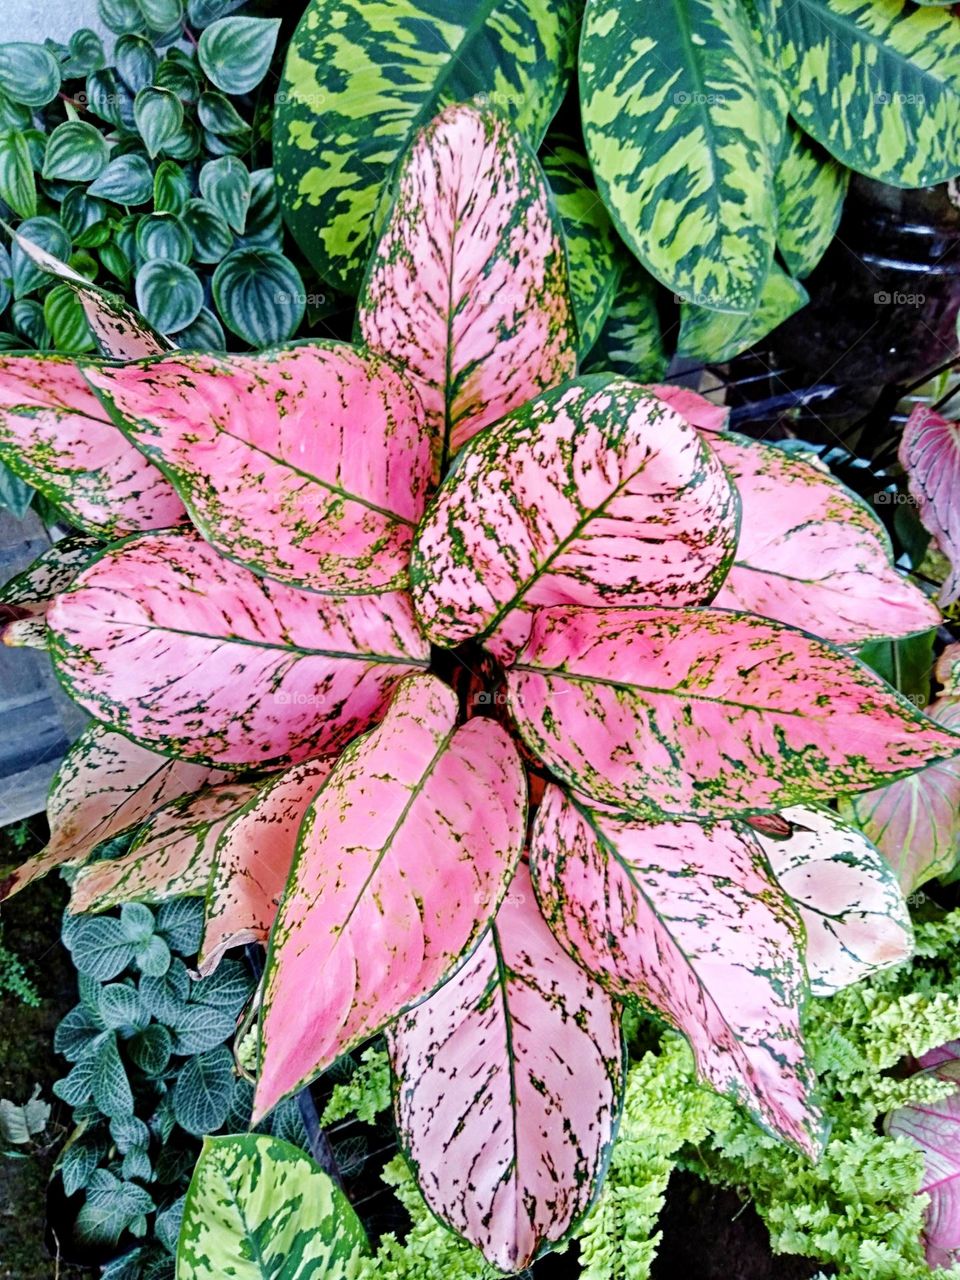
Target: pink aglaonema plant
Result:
[[487, 696]]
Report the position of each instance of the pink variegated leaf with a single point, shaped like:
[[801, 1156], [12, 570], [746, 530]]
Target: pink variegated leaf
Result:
[[253, 861], [811, 553], [947, 671], [694, 408], [55, 435], [509, 1084], [846, 895], [701, 712], [308, 464], [915, 821], [686, 917], [467, 287], [171, 855], [595, 493], [32, 591], [105, 786], [167, 641], [935, 1128], [402, 859], [930, 455]]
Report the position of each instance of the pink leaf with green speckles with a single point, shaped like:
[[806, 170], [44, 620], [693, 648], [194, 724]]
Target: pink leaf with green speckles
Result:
[[687, 918], [702, 712], [694, 408], [308, 464], [595, 493], [55, 435], [930, 455], [402, 860], [509, 1082], [467, 287], [165, 640], [811, 553]]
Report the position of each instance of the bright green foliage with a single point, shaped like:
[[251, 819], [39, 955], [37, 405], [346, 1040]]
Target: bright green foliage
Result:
[[14, 978], [719, 335], [365, 1094], [630, 342], [810, 190]]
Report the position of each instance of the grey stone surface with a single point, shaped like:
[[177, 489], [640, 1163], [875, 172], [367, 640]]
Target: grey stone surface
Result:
[[38, 19]]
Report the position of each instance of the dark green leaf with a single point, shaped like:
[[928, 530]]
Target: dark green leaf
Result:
[[126, 180], [85, 54], [180, 922], [110, 99], [169, 294], [164, 997], [200, 1027], [29, 73], [49, 235], [15, 494], [127, 1132], [136, 62], [162, 15], [136, 1164], [204, 1091], [229, 987], [186, 144], [27, 317], [150, 1049], [159, 117], [236, 52], [80, 211], [18, 186], [163, 235], [111, 1207], [226, 184], [202, 12], [121, 16], [906, 664], [219, 115], [66, 322], [121, 1008], [205, 334], [138, 922], [212, 238], [153, 958], [260, 296], [79, 1160], [75, 1031], [108, 1081], [99, 946], [171, 189]]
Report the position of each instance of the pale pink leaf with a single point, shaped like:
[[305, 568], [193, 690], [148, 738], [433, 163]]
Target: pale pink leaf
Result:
[[308, 464], [930, 455], [694, 408], [846, 895], [701, 712], [509, 1087], [811, 553], [55, 435], [171, 855], [467, 287], [686, 917], [915, 821], [253, 861], [595, 493], [167, 641], [53, 570], [402, 859]]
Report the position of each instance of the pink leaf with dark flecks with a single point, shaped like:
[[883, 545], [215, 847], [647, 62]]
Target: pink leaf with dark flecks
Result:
[[702, 712], [687, 918], [467, 287], [930, 455], [508, 1088], [694, 408], [308, 464], [402, 859], [164, 639]]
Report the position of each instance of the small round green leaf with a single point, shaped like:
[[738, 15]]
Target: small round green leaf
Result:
[[98, 945], [159, 117], [163, 235], [169, 294], [205, 334], [81, 211], [136, 62], [110, 99], [137, 921], [260, 296], [171, 188], [29, 73], [212, 238], [162, 15], [186, 144], [150, 1049], [49, 235], [76, 152], [219, 115], [120, 1008], [204, 1091], [85, 54], [121, 16], [153, 958], [227, 185], [180, 920], [18, 186], [235, 52], [64, 318], [126, 180]]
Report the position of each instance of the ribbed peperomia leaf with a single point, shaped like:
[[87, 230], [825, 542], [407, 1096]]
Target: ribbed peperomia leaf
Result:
[[467, 287], [930, 455], [253, 860], [508, 1089], [686, 917], [811, 553], [167, 641], [846, 895], [32, 590], [702, 712], [55, 435], [594, 493], [308, 464], [402, 859]]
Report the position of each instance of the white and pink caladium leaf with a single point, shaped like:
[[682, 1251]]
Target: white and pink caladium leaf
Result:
[[687, 918], [187, 652], [846, 895], [32, 591], [171, 855], [595, 493], [55, 435], [811, 553], [509, 1087], [704, 713], [253, 860], [694, 408], [467, 287], [915, 821], [402, 859], [307, 464], [105, 786], [930, 455]]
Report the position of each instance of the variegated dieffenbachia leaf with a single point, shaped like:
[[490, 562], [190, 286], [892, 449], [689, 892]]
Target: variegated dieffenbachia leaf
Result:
[[704, 712], [165, 640], [846, 895], [675, 131], [359, 83], [686, 917], [258, 1208], [32, 590], [595, 493], [508, 1088], [308, 464], [716, 336], [630, 342], [253, 860], [402, 859], [105, 786], [171, 856], [811, 553], [878, 85], [55, 435], [810, 188], [467, 287], [930, 455]]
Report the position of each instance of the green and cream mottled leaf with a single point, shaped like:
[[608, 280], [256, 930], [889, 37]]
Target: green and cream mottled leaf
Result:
[[720, 335], [810, 190], [259, 1209], [631, 342]]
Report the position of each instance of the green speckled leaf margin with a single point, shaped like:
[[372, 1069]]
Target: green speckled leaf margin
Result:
[[810, 190], [259, 1209], [631, 342], [361, 78]]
